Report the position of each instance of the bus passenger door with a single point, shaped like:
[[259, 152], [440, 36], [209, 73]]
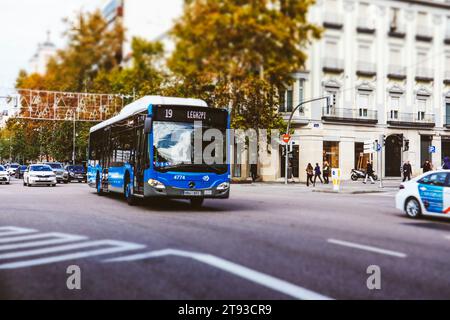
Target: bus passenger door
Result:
[[140, 162]]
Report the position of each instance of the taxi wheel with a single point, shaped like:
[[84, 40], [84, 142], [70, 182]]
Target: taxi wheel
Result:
[[413, 209]]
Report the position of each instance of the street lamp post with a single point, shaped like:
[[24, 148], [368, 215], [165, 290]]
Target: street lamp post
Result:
[[74, 141], [289, 127]]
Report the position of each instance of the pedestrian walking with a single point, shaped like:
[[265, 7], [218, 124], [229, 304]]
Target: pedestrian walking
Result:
[[309, 174], [326, 172], [254, 171], [317, 174], [369, 173], [407, 171], [427, 166], [446, 163]]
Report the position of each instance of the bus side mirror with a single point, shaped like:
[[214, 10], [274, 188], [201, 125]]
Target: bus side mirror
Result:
[[148, 125]]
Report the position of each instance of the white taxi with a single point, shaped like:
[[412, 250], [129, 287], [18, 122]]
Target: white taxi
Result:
[[4, 176], [39, 174], [425, 195]]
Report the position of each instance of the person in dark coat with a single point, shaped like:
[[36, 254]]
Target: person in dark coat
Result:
[[326, 172], [369, 173], [407, 171], [309, 174], [446, 163], [317, 174], [254, 171], [427, 166]]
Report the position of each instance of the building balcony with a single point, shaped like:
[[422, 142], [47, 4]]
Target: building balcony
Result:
[[365, 26], [367, 69], [424, 33], [418, 119], [362, 115], [397, 31], [396, 72], [333, 20], [447, 77], [424, 74], [333, 65], [447, 37]]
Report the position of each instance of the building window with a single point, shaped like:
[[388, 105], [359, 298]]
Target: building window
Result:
[[331, 153], [301, 90], [395, 19], [447, 113], [394, 106], [286, 100]]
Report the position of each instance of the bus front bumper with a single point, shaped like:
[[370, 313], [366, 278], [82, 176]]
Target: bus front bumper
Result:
[[171, 192]]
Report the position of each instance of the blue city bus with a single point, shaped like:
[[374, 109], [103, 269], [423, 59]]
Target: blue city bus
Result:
[[147, 150]]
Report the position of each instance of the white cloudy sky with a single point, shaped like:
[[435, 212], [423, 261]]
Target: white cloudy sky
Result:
[[24, 23]]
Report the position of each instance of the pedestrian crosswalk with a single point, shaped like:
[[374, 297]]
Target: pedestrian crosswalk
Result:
[[22, 247]]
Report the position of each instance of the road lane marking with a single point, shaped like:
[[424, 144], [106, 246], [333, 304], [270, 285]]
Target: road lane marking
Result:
[[367, 248], [9, 231], [233, 268], [54, 238], [35, 252], [34, 236], [117, 246]]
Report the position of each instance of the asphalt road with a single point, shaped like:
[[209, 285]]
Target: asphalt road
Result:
[[265, 242]]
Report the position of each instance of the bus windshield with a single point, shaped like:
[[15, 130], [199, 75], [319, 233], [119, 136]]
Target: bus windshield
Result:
[[173, 145]]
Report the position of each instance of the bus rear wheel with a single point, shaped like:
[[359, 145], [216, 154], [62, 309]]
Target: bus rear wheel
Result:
[[197, 203]]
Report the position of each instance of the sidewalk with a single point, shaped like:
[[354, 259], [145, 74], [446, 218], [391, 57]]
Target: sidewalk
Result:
[[358, 187], [346, 187]]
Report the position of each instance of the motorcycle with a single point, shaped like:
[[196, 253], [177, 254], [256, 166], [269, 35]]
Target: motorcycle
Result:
[[360, 174]]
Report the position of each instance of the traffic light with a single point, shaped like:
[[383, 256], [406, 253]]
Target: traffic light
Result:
[[331, 100], [406, 145]]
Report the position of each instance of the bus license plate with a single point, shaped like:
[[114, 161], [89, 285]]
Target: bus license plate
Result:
[[192, 193]]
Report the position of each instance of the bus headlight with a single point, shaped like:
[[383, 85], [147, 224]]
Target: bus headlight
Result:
[[223, 186], [156, 184]]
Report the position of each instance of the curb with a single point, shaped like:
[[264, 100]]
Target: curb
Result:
[[353, 192]]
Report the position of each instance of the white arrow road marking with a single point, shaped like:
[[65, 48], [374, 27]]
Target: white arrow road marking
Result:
[[52, 238], [117, 246], [233, 268], [9, 231], [367, 248]]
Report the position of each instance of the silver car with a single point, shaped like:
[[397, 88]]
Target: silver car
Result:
[[58, 169]]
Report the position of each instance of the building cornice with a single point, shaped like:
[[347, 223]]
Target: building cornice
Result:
[[434, 4]]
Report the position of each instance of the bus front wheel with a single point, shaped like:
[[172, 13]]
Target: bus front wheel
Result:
[[131, 200], [197, 202], [98, 186]]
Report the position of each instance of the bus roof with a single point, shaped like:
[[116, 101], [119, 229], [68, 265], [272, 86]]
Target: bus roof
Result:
[[142, 105]]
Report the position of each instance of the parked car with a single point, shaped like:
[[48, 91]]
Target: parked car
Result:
[[39, 174], [58, 169], [11, 168], [4, 176], [74, 173], [19, 172]]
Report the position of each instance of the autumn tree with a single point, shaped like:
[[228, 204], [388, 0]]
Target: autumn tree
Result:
[[93, 48], [238, 53]]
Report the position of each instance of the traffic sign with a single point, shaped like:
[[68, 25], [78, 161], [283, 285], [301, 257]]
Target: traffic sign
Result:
[[432, 149], [286, 138]]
